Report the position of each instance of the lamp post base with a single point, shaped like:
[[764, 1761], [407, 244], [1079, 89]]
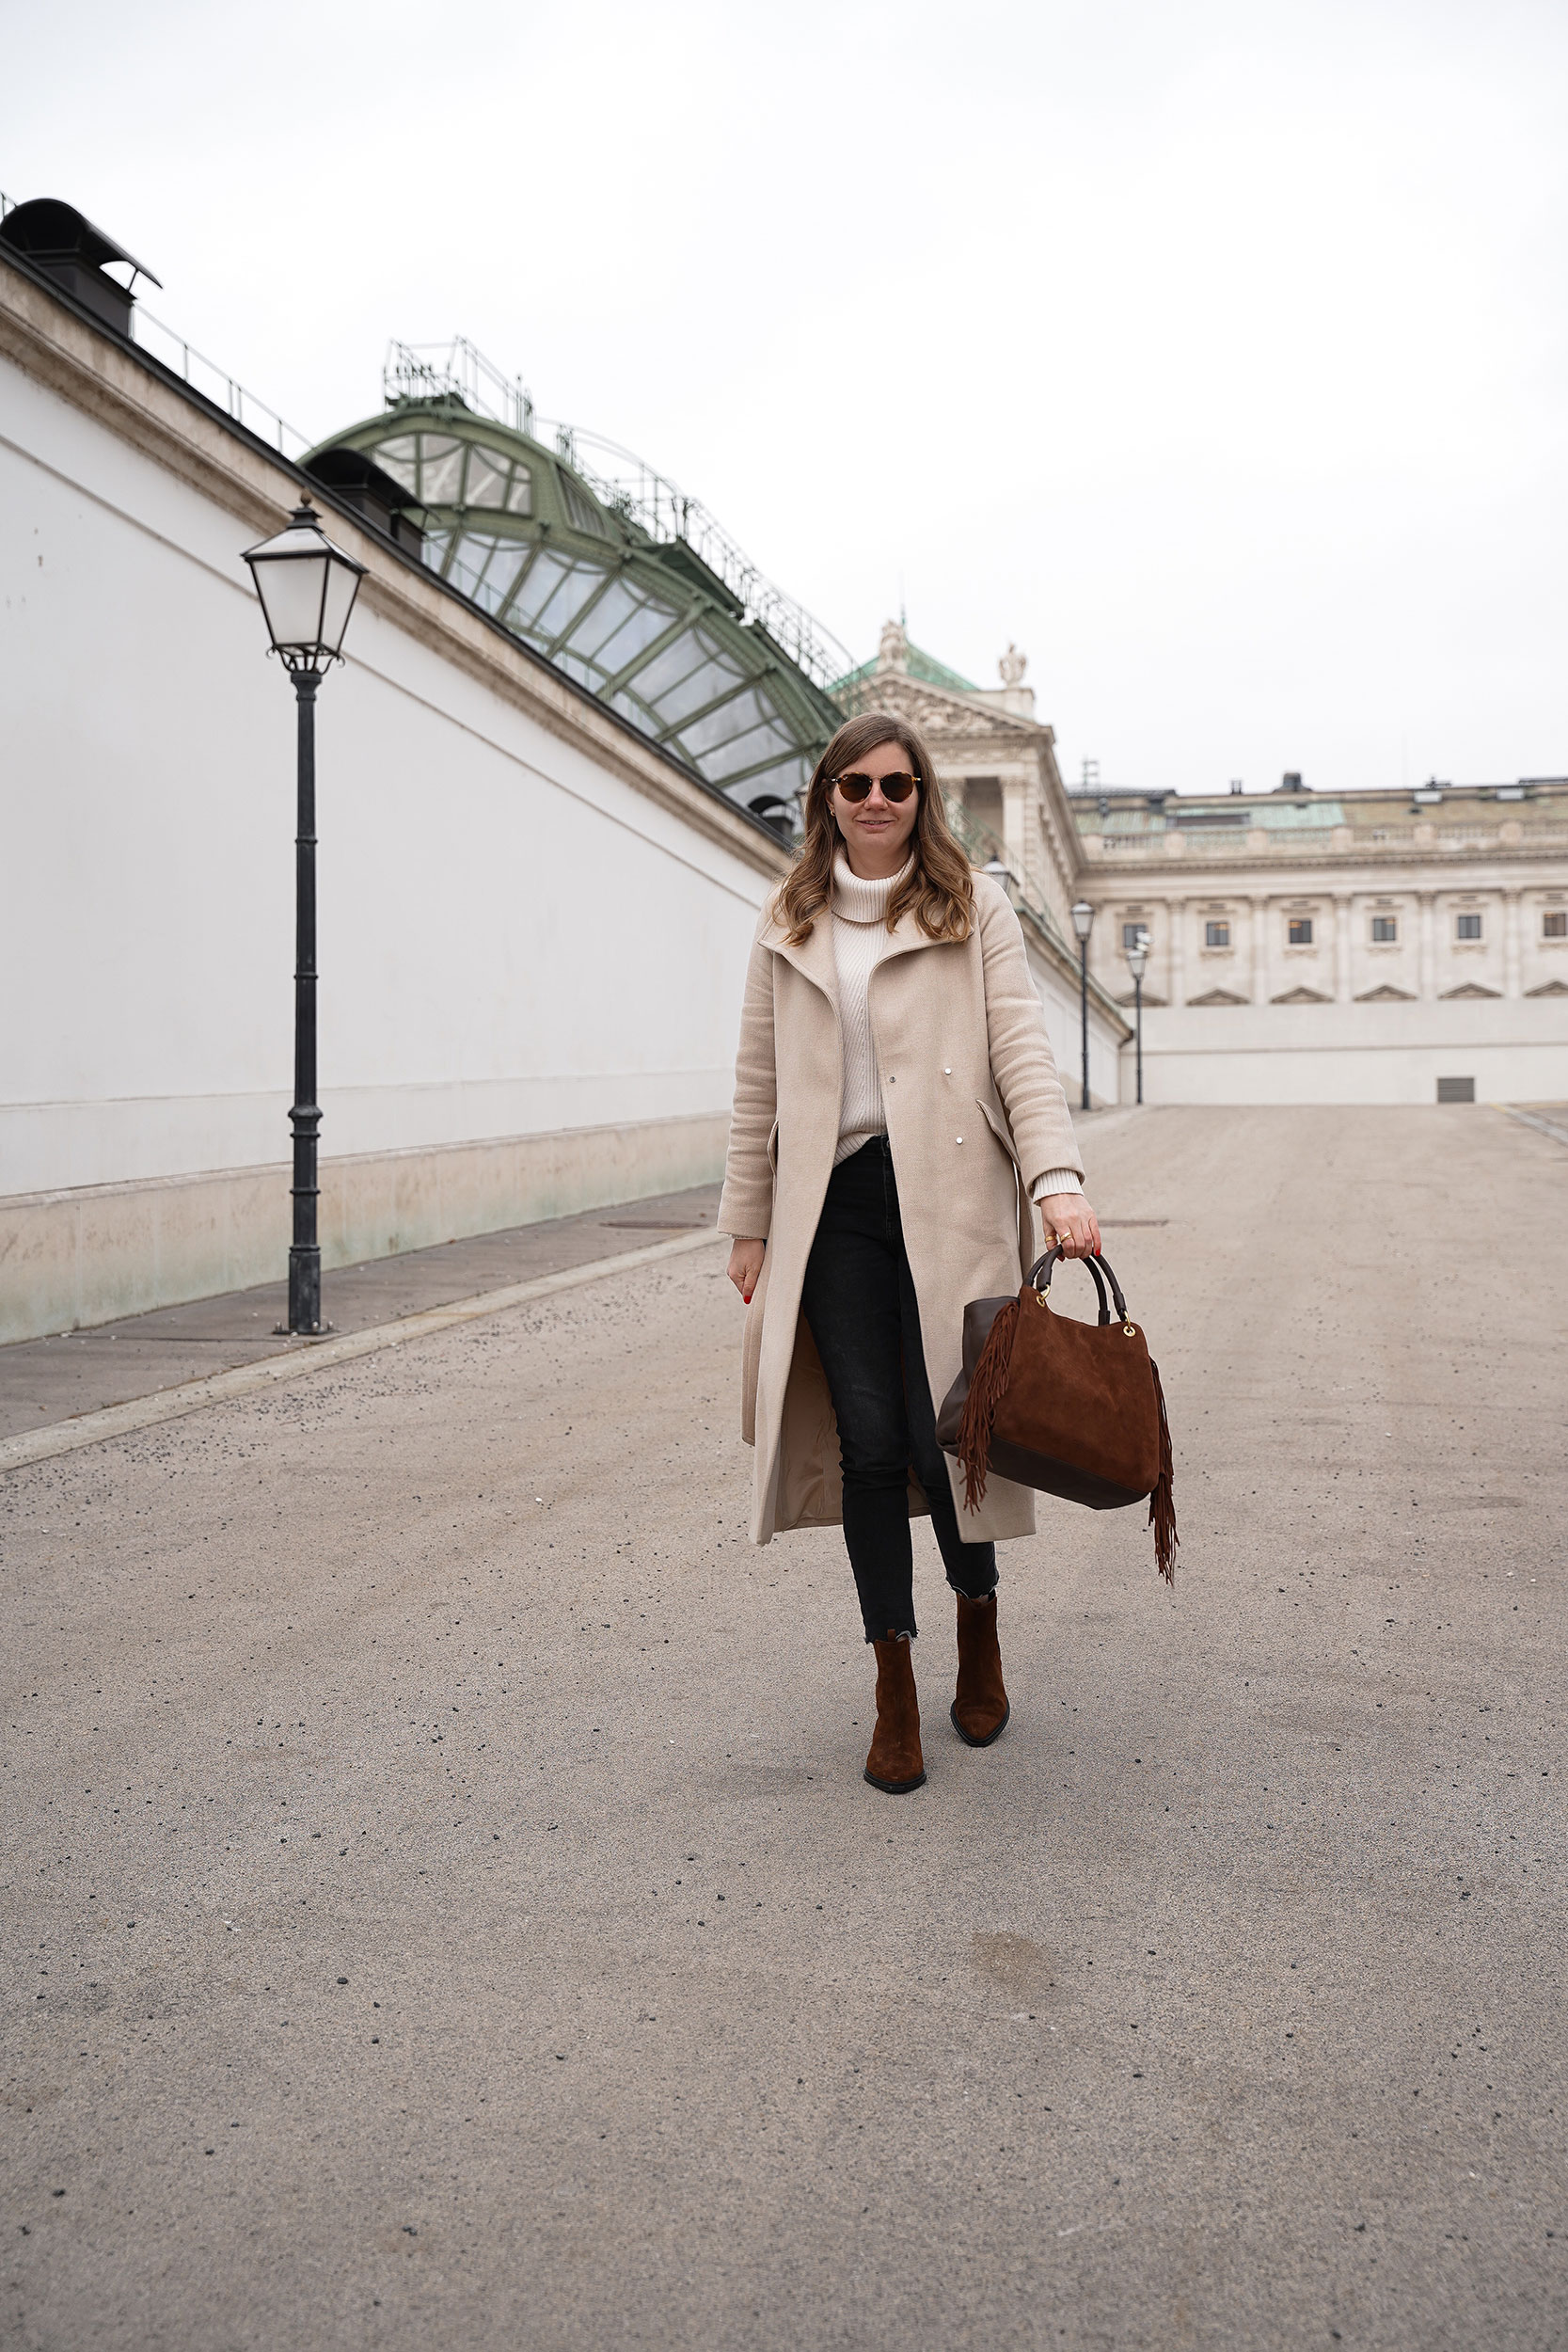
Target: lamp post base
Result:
[[305, 1293]]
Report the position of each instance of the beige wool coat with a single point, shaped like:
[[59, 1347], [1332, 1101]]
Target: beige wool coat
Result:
[[975, 1112]]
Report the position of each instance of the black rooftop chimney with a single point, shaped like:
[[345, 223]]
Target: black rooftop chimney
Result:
[[1291, 780], [66, 246], [373, 493]]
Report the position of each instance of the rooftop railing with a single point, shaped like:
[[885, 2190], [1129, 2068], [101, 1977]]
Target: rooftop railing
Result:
[[225, 392], [442, 371], [1341, 841]]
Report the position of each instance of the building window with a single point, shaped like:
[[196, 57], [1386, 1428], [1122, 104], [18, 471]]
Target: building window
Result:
[[1131, 934], [1216, 934], [1386, 929], [1554, 923], [1466, 926], [1298, 931]]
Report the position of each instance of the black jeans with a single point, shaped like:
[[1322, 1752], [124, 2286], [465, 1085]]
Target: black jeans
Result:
[[859, 1300]]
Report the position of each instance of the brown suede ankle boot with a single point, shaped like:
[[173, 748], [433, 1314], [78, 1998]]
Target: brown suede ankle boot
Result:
[[980, 1709], [896, 1762]]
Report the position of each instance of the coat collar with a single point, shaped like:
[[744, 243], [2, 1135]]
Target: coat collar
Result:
[[907, 934], [813, 958]]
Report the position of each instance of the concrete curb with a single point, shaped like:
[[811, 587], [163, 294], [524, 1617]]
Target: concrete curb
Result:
[[190, 1396], [1529, 1119]]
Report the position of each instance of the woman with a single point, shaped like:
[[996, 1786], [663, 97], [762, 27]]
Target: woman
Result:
[[896, 1108]]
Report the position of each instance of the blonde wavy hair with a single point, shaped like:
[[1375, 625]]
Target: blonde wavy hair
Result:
[[939, 887]]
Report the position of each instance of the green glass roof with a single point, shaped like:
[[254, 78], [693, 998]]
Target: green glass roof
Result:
[[642, 624]]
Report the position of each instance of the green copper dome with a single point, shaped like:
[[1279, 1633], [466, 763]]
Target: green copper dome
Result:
[[641, 621]]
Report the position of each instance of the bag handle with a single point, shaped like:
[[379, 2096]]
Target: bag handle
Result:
[[1040, 1272]]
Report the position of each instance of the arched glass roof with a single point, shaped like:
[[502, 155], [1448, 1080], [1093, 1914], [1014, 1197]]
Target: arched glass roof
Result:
[[644, 624]]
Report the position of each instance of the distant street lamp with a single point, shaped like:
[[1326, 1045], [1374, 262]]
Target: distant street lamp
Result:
[[1137, 959], [307, 587], [1083, 922]]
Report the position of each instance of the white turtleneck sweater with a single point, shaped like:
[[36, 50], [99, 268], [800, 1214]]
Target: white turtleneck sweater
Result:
[[860, 942]]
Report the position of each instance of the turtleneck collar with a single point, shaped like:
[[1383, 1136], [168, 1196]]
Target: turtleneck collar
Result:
[[859, 901]]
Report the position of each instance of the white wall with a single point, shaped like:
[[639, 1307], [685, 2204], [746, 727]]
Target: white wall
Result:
[[514, 939], [511, 939], [1110, 1079], [1514, 1051]]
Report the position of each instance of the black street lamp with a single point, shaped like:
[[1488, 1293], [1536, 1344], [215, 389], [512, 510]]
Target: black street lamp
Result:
[[1137, 959], [307, 587], [1083, 922]]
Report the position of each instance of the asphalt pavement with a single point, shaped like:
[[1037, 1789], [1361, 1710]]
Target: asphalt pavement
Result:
[[400, 1951]]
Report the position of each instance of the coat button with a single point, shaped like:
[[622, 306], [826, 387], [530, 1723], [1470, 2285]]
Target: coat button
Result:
[[947, 1074], [958, 1138]]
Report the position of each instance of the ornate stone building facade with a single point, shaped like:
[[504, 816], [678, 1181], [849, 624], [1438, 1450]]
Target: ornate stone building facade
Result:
[[1371, 946], [1367, 946]]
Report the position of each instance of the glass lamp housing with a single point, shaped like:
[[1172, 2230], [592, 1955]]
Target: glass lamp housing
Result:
[[1083, 919], [307, 588], [1137, 956]]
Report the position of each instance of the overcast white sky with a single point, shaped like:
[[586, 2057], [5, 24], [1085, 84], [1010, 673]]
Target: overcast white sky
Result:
[[1214, 351]]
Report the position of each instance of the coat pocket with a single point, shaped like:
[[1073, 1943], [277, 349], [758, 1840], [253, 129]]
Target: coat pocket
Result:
[[998, 1126], [1025, 1207]]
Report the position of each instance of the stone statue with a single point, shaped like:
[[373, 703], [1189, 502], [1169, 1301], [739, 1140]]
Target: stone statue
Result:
[[892, 653], [1012, 665]]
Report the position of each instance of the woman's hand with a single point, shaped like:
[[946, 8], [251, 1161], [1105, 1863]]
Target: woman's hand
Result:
[[1069, 1218], [745, 1266]]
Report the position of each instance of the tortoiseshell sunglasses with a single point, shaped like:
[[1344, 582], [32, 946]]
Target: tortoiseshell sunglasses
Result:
[[858, 788]]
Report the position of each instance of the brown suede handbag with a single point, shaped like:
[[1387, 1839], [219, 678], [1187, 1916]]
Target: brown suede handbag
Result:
[[1073, 1409]]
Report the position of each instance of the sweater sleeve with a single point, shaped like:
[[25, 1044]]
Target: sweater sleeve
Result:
[[1022, 1062], [746, 1205], [1054, 1180]]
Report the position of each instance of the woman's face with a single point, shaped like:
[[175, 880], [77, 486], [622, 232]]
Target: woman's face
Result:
[[877, 830]]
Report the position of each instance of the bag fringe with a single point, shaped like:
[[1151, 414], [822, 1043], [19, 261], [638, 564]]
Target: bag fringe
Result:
[[1161, 1503], [986, 1392]]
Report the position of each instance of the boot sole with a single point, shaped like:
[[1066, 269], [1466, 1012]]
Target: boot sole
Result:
[[968, 1737], [895, 1788]]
